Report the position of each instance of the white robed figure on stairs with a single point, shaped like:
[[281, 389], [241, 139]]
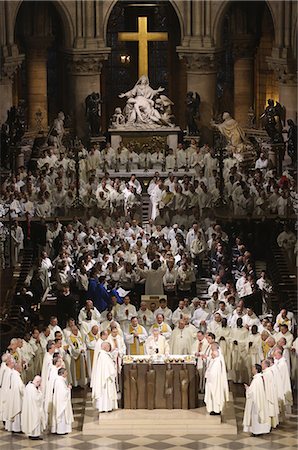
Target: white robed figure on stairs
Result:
[[104, 393]]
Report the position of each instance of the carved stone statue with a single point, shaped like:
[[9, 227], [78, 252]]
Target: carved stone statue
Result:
[[235, 137], [93, 112], [231, 130], [117, 119], [145, 107], [273, 119], [57, 131], [292, 141], [192, 112]]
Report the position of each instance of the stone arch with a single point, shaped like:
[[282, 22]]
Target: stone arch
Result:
[[64, 13], [219, 16], [174, 4]]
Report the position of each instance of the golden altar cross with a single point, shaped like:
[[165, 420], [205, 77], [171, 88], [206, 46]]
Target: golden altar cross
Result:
[[143, 36]]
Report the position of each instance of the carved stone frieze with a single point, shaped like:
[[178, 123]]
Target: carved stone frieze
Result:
[[10, 65], [283, 69], [85, 63], [200, 62]]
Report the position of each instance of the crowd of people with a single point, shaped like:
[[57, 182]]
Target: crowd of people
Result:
[[100, 265], [99, 277], [192, 184]]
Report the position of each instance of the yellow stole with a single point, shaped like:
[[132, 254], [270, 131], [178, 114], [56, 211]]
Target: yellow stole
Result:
[[265, 348], [15, 356], [91, 351], [76, 342], [137, 348], [163, 329]]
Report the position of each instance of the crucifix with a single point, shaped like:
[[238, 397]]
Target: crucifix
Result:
[[143, 36]]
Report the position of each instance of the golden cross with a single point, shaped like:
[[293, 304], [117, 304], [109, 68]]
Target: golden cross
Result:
[[143, 37]]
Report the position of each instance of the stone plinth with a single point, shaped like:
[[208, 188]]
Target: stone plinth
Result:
[[170, 135], [275, 155]]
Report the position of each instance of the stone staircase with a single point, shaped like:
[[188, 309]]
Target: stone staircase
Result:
[[145, 208], [284, 280], [141, 422]]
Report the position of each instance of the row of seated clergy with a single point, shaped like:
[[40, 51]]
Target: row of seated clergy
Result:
[[123, 158]]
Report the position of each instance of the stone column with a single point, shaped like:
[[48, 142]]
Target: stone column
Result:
[[243, 78], [201, 69], [85, 69], [36, 68]]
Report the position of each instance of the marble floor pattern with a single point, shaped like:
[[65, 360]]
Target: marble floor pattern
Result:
[[284, 438]]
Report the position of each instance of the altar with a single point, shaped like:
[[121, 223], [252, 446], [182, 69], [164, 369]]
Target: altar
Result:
[[169, 135], [172, 384]]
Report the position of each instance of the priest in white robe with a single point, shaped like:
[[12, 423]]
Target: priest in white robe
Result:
[[282, 366], [47, 362], [104, 393], [57, 362], [256, 419], [77, 350], [32, 417], [181, 340], [145, 316], [156, 344], [216, 386], [62, 417], [135, 338], [271, 393], [14, 400], [7, 365]]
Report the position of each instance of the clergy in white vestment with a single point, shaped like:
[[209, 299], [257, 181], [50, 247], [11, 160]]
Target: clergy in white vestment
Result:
[[154, 278], [103, 336], [7, 365], [165, 311], [271, 393], [77, 349], [14, 400], [282, 366], [104, 392], [163, 327], [125, 313], [90, 341], [256, 418], [239, 372], [255, 353], [118, 350], [181, 340], [156, 344], [223, 338], [87, 324], [89, 307], [249, 319], [278, 386], [201, 316], [198, 348], [145, 316], [57, 362], [32, 417], [62, 417], [135, 338], [285, 333], [47, 362], [179, 312], [216, 386]]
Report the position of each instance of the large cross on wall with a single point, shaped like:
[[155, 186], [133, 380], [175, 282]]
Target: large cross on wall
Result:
[[143, 36]]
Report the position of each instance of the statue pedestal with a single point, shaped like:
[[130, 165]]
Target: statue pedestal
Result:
[[168, 134], [275, 154], [98, 140]]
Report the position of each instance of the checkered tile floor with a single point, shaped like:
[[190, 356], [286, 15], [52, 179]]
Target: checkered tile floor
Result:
[[284, 438]]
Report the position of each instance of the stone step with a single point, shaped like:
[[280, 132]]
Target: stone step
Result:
[[142, 422]]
